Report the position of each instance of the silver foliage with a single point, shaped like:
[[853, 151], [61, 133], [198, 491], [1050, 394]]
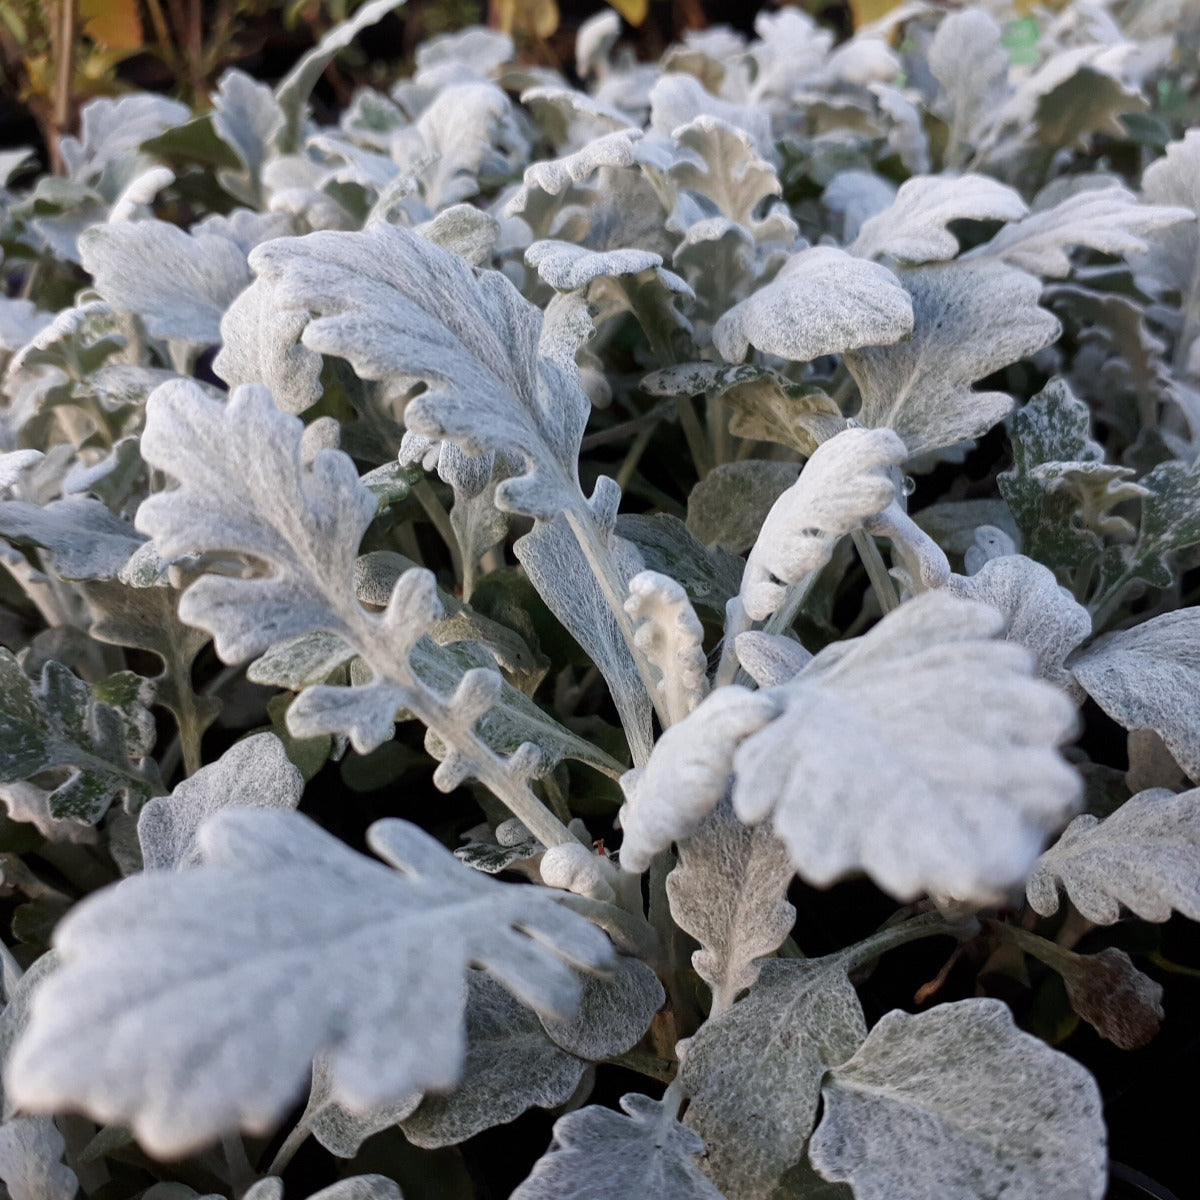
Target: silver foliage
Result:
[[226, 954], [958, 1101], [1145, 856]]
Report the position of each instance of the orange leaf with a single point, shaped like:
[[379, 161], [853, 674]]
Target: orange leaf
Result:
[[866, 11], [634, 11], [112, 24]]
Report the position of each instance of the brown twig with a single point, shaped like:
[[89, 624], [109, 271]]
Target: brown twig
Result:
[[65, 55]]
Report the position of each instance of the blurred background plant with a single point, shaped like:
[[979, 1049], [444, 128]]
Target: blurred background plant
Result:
[[58, 54]]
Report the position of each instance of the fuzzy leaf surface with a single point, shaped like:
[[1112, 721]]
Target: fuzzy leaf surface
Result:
[[253, 773], [958, 1101], [729, 891], [1148, 677], [217, 986], [102, 733], [823, 301], [922, 387], [1145, 856], [893, 750], [754, 1072], [598, 1153]]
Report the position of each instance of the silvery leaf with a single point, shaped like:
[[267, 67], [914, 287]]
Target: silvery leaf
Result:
[[1108, 219], [469, 130], [1174, 179], [1144, 857], [510, 1066], [959, 1102], [971, 320], [720, 164], [464, 230], [770, 659], [669, 633], [31, 1166], [598, 1153], [144, 615], [1057, 465], [848, 480], [728, 506], [1170, 521], [855, 195], [614, 1011], [180, 284], [753, 1073], [356, 1187], [566, 267], [823, 301], [20, 322], [915, 228], [31, 1148], [293, 92], [247, 117], [100, 733], [967, 58], [212, 985], [710, 576], [729, 891], [678, 99], [336, 1127], [252, 773], [244, 490], [893, 749], [260, 343], [1147, 678], [556, 176], [688, 772], [82, 539], [1038, 614]]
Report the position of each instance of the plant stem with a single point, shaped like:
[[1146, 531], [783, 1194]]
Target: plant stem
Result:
[[287, 1151], [881, 581], [436, 512], [932, 924], [62, 81], [645, 1063], [693, 431], [365, 635]]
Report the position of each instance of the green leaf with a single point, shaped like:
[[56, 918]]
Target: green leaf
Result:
[[102, 733], [1059, 488], [1170, 522]]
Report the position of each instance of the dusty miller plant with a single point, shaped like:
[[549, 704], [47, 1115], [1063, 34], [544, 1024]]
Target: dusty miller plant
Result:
[[778, 444]]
